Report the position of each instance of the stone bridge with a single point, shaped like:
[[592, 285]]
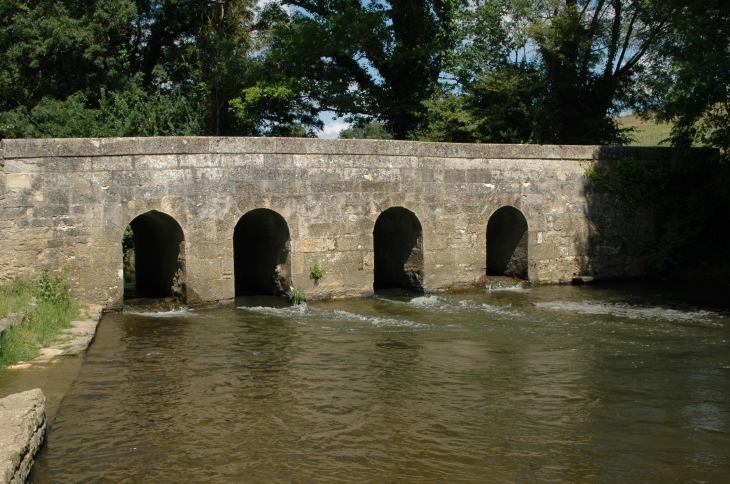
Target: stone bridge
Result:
[[213, 218]]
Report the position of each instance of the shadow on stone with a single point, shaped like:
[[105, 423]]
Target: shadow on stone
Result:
[[261, 254], [398, 244]]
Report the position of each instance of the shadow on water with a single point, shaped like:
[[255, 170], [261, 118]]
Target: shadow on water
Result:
[[263, 301]]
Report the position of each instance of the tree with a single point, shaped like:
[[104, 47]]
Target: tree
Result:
[[83, 68], [366, 61], [547, 71], [365, 130], [54, 49], [203, 47], [690, 78]]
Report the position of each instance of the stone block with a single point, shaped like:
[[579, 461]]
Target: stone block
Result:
[[478, 176], [22, 431], [313, 245], [78, 147], [119, 146], [454, 176], [155, 162], [241, 160], [438, 257], [233, 145], [29, 148], [172, 145], [294, 145], [356, 243], [395, 148], [108, 163], [17, 181], [276, 161], [25, 165], [68, 165], [324, 229], [261, 145], [201, 160], [203, 269]]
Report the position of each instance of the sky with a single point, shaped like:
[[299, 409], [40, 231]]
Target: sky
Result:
[[332, 127]]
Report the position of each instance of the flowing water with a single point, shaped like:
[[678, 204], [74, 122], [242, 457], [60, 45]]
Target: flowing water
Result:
[[550, 384]]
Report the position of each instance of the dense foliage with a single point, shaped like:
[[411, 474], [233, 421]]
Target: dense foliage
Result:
[[521, 71]]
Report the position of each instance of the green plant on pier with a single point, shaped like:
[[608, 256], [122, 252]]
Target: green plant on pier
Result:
[[297, 296], [316, 272]]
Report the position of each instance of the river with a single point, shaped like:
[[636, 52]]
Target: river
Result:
[[546, 384]]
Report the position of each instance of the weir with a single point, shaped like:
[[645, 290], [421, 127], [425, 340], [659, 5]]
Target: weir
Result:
[[216, 217]]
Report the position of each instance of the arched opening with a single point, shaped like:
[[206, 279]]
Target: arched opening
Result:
[[507, 243], [154, 246], [261, 262], [398, 244]]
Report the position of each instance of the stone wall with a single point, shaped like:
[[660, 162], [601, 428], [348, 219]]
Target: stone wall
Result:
[[22, 430], [64, 203]]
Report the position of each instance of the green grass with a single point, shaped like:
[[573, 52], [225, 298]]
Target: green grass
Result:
[[646, 133], [14, 296], [49, 310]]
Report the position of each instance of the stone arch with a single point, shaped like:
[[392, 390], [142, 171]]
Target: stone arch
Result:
[[261, 254], [398, 250], [507, 243], [159, 257]]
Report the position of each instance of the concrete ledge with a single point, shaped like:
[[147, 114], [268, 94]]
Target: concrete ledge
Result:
[[81, 335], [22, 431], [73, 341]]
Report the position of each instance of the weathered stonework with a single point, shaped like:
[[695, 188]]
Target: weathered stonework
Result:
[[64, 203], [22, 430]]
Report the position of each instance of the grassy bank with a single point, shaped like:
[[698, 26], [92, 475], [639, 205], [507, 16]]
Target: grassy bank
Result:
[[49, 310]]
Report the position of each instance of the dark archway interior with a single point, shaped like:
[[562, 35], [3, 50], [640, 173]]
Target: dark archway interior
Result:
[[261, 253], [159, 256], [398, 244], [507, 243]]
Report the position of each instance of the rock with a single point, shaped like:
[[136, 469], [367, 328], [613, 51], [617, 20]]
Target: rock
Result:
[[581, 280], [11, 320], [22, 431]]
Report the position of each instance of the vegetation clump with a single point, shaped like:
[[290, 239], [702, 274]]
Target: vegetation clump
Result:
[[297, 296], [49, 309], [316, 272]]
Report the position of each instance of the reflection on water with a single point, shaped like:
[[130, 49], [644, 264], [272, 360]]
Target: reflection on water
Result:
[[549, 384]]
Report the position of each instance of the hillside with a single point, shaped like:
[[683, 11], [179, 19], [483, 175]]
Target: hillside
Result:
[[647, 133]]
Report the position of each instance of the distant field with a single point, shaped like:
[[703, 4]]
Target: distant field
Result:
[[646, 133]]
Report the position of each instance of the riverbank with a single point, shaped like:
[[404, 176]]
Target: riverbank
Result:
[[39, 325], [35, 314]]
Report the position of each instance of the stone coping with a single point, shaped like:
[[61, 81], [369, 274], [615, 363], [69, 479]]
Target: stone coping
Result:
[[90, 147], [22, 431]]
